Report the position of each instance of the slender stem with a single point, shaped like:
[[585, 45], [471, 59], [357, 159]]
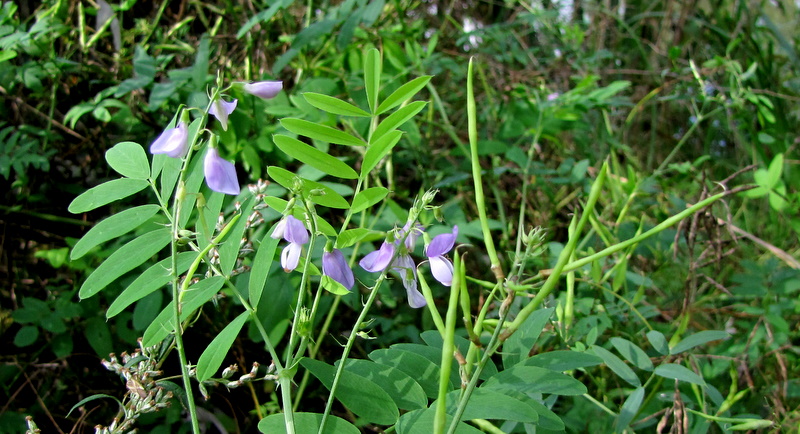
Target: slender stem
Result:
[[348, 346], [176, 297], [563, 258], [684, 139], [574, 265], [494, 343]]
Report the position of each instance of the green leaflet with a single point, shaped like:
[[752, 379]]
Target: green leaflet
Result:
[[396, 119], [403, 93], [113, 227], [196, 295], [403, 389], [379, 149], [617, 365], [322, 133], [366, 198], [125, 259], [333, 105], [129, 160], [213, 356], [106, 193], [306, 423], [372, 77], [150, 280], [361, 396], [314, 157], [261, 266]]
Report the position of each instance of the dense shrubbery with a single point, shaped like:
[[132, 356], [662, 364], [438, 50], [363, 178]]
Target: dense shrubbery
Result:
[[592, 127]]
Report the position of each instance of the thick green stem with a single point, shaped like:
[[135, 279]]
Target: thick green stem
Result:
[[448, 348]]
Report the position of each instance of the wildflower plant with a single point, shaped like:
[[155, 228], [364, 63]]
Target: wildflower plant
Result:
[[213, 231]]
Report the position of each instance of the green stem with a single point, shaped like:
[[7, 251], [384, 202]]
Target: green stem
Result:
[[349, 346], [684, 139], [563, 258], [494, 343], [480, 201], [574, 265]]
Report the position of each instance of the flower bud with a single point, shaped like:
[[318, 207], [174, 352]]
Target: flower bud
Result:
[[264, 89]]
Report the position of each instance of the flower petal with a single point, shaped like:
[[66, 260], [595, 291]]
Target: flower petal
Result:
[[290, 256], [335, 266], [264, 89], [295, 231], [442, 244], [220, 109], [415, 298], [220, 173], [379, 259], [174, 142], [442, 270], [279, 230], [413, 233]]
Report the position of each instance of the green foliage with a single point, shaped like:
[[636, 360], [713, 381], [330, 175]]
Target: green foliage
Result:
[[642, 324]]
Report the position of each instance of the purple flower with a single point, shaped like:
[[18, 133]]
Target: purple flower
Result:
[[441, 267], [335, 266], [413, 234], [220, 109], [264, 89], [379, 259], [292, 230], [174, 142], [404, 266], [220, 173], [290, 256]]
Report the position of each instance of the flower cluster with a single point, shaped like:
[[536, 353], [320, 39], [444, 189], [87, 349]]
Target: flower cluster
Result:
[[395, 255], [334, 265], [220, 173]]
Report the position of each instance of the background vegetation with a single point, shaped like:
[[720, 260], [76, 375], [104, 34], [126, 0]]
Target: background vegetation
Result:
[[684, 99]]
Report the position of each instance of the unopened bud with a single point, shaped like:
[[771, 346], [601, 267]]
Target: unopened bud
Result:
[[229, 371], [437, 214], [304, 323]]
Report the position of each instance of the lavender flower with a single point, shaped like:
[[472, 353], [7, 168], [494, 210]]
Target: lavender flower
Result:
[[264, 89], [174, 142], [220, 173], [292, 230], [335, 266], [220, 109], [441, 267], [379, 259], [402, 264]]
